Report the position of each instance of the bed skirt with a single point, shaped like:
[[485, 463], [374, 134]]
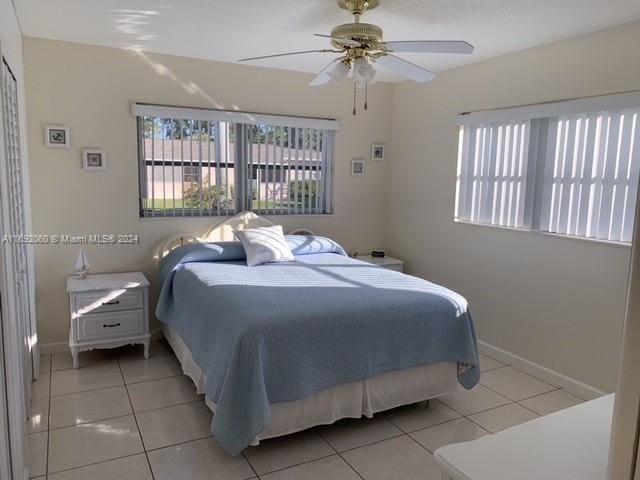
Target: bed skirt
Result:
[[347, 400]]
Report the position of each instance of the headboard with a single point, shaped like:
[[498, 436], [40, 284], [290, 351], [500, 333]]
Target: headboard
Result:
[[221, 232]]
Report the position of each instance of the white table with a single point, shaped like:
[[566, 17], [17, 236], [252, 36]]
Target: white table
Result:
[[108, 311], [571, 444], [387, 262]]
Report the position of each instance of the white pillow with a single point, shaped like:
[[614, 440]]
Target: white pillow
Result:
[[265, 245]]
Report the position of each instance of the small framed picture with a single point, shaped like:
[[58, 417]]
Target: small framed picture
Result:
[[56, 136], [93, 159], [377, 151], [357, 167]]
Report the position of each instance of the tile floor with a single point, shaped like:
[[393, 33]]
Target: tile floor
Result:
[[121, 416]]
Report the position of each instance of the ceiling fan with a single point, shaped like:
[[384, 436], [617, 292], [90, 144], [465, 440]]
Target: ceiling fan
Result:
[[361, 45]]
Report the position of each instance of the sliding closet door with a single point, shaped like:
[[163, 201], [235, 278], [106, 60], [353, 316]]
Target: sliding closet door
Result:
[[623, 454]]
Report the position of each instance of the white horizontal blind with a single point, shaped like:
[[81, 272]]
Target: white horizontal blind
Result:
[[573, 174], [492, 173], [199, 167], [596, 165]]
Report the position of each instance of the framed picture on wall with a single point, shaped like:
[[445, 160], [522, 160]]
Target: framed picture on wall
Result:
[[56, 136], [377, 151], [93, 159], [357, 167]]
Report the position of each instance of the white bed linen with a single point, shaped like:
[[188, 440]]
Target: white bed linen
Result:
[[347, 400]]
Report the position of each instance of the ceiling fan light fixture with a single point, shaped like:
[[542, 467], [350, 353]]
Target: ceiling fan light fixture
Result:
[[363, 71], [339, 72]]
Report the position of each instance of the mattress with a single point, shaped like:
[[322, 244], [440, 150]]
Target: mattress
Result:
[[346, 400]]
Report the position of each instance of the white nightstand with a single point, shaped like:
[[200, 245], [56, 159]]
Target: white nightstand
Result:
[[387, 262], [107, 311]]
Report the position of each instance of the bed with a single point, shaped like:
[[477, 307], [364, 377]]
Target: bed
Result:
[[283, 347]]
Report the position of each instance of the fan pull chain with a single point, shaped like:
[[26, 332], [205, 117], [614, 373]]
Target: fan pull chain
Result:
[[354, 99], [366, 94]]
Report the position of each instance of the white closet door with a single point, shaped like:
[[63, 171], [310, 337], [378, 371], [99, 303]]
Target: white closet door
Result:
[[17, 220]]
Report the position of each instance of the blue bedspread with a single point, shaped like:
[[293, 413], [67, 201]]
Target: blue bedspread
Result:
[[283, 331]]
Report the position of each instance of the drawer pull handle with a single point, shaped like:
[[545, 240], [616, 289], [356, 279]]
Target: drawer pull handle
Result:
[[115, 302], [110, 325]]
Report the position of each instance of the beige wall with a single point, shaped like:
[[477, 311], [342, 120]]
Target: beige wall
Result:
[[555, 301], [90, 89]]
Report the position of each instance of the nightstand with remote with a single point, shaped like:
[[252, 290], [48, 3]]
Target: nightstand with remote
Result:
[[107, 311], [387, 262]]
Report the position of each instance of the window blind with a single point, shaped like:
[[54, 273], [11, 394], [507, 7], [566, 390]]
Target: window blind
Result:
[[596, 164], [492, 173], [202, 166], [290, 169], [574, 174]]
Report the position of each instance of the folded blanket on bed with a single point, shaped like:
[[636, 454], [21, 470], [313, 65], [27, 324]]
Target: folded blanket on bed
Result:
[[281, 332]]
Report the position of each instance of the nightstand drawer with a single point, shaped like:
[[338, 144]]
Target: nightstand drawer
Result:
[[108, 301], [112, 324]]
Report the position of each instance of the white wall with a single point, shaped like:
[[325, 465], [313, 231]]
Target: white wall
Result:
[[555, 301], [90, 89]]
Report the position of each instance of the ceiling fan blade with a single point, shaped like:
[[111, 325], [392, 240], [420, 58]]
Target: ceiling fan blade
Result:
[[345, 41], [430, 46], [289, 53], [323, 77], [406, 69]]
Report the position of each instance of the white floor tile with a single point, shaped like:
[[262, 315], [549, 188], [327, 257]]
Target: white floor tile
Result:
[[551, 402], [352, 433], [128, 468], [86, 378], [142, 370], [38, 420], [45, 363], [199, 460], [162, 393], [40, 388], [398, 458], [278, 453], [330, 468], [37, 454], [455, 431], [95, 442], [415, 417], [64, 360], [476, 400], [514, 384], [84, 407], [502, 418], [173, 425], [488, 363]]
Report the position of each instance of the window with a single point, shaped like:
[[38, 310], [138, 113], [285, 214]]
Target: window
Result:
[[569, 167], [196, 162]]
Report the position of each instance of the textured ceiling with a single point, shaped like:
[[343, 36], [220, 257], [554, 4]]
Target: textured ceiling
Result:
[[230, 29]]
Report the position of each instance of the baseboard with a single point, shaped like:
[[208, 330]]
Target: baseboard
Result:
[[572, 385], [62, 347], [54, 347]]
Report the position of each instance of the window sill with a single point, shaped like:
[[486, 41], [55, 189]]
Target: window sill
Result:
[[546, 234]]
